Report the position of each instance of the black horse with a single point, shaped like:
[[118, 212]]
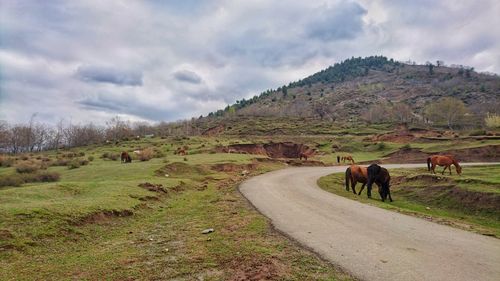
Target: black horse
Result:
[[381, 177]]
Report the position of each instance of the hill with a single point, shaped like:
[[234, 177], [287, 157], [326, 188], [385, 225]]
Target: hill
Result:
[[346, 90]]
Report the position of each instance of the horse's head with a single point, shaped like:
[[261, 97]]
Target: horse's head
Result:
[[459, 169]]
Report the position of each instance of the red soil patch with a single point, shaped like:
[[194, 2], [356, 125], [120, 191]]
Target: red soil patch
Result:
[[272, 150], [490, 153], [230, 167], [103, 216], [214, 131], [254, 269], [153, 187]]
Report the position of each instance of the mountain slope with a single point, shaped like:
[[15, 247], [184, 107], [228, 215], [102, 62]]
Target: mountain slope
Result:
[[347, 89]]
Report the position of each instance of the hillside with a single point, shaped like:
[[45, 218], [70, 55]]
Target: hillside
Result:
[[346, 90]]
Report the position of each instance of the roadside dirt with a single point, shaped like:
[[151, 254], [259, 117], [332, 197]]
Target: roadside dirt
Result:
[[272, 150], [490, 153]]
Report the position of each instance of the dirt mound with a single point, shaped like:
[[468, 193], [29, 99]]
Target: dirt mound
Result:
[[103, 216], [490, 153], [254, 269], [180, 169], [230, 167], [272, 150], [153, 187], [456, 197], [214, 131]]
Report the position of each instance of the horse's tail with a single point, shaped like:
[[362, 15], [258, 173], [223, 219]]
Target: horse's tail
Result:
[[347, 177], [428, 163]]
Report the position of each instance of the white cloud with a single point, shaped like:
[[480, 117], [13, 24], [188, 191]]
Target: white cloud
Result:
[[165, 60]]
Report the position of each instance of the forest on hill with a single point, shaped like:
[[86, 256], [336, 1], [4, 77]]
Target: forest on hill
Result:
[[377, 89]]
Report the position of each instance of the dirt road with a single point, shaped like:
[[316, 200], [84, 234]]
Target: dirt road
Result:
[[369, 242]]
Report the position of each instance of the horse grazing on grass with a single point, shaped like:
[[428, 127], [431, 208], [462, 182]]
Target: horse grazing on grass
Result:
[[443, 160], [355, 174], [347, 158], [306, 154], [125, 157], [381, 177]]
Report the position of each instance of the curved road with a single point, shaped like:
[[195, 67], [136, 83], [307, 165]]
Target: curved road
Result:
[[369, 242]]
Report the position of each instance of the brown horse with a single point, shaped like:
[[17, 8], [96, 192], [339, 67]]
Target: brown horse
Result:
[[125, 157], [355, 174], [443, 160], [347, 158], [306, 154]]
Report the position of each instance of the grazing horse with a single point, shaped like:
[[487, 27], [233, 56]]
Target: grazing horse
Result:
[[125, 157], [347, 158], [443, 160], [306, 154], [181, 151], [355, 174], [381, 177]]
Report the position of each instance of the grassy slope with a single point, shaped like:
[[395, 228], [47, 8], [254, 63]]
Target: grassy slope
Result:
[[51, 228], [410, 196]]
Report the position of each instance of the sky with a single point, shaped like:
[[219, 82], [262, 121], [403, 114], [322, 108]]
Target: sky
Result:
[[90, 60]]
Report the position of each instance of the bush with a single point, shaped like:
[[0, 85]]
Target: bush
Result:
[[406, 146], [91, 158], [146, 154], [11, 180], [44, 176], [110, 156], [27, 167], [492, 121], [60, 162], [81, 153], [75, 164], [477, 133], [6, 161], [19, 179]]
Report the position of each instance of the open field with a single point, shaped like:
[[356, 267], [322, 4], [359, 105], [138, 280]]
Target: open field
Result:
[[97, 222], [470, 201], [143, 220]]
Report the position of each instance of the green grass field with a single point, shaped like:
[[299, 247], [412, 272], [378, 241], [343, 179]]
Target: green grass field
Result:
[[96, 222], [470, 201]]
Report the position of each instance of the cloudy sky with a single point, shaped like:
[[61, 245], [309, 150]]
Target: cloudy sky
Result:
[[86, 60]]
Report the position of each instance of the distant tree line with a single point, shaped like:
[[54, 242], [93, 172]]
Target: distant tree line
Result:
[[36, 136], [446, 112]]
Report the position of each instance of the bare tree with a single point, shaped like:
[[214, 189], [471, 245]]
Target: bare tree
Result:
[[450, 111], [402, 113]]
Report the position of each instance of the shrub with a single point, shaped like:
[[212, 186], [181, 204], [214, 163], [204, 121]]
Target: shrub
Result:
[[110, 156], [6, 161], [19, 179], [477, 133], [27, 167], [146, 154], [60, 162], [406, 146], [81, 153], [44, 176], [492, 121], [91, 158], [74, 164], [11, 180]]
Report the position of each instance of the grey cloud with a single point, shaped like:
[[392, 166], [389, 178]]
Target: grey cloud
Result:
[[187, 76], [342, 21], [225, 50], [109, 75], [124, 105]]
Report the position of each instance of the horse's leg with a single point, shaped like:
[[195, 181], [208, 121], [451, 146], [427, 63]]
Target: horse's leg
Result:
[[362, 187], [389, 194], [449, 168], [442, 173], [369, 188], [354, 183]]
